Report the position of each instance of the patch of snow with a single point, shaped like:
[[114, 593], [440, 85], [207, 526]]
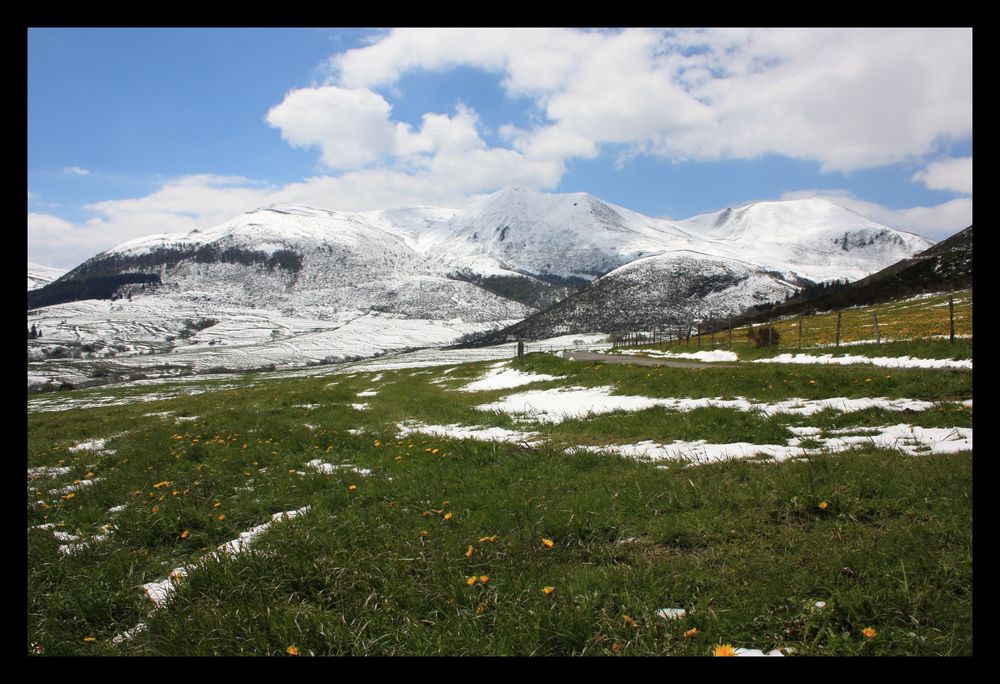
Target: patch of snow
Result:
[[330, 468], [504, 378], [69, 489], [368, 393], [359, 407], [754, 652], [707, 356], [881, 361], [671, 613], [912, 440], [484, 434], [48, 471], [563, 403]]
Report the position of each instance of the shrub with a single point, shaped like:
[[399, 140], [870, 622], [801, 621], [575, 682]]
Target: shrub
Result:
[[763, 337]]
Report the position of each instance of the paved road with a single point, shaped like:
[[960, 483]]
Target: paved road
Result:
[[640, 360]]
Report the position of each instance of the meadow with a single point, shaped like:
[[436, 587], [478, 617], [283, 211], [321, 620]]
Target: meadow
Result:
[[349, 514]]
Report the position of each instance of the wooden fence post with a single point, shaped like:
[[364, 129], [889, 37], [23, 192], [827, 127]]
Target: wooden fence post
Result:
[[951, 316], [838, 329], [878, 336], [800, 331]]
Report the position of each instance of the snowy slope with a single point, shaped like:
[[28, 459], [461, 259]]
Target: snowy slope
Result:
[[40, 276], [671, 290], [289, 285], [812, 239]]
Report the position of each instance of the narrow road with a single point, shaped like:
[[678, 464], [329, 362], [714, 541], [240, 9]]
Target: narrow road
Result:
[[640, 360]]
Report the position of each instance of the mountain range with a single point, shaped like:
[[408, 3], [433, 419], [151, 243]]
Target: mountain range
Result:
[[293, 285]]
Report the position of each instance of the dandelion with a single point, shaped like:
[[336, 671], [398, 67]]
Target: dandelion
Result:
[[724, 650], [292, 650], [448, 516], [691, 633], [484, 579], [491, 539], [548, 543], [812, 382], [869, 633], [352, 488], [548, 591], [823, 505], [216, 504], [90, 639], [185, 534], [68, 496], [471, 580], [630, 621], [616, 647], [424, 533], [469, 552], [221, 517]]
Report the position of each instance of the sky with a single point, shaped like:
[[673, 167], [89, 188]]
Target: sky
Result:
[[133, 132]]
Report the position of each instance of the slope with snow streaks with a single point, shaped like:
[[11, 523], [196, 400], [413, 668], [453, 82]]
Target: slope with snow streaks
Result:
[[40, 276]]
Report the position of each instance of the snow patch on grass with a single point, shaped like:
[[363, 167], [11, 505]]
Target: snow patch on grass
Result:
[[707, 356], [882, 361], [563, 403], [485, 434], [504, 378], [912, 440]]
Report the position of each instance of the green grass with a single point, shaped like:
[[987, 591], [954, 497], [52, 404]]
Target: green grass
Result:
[[743, 546]]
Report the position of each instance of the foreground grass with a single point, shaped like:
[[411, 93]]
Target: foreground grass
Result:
[[746, 548]]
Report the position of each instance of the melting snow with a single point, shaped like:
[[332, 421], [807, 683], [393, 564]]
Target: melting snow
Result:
[[330, 468], [485, 434], [883, 361], [368, 393], [912, 440], [715, 355], [504, 378], [562, 403], [359, 407]]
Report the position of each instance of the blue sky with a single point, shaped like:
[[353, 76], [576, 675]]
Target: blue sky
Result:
[[140, 131]]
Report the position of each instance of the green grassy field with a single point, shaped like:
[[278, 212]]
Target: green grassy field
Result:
[[434, 545]]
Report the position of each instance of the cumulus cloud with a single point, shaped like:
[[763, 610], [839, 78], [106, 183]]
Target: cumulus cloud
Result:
[[76, 171], [847, 98], [954, 174], [936, 222]]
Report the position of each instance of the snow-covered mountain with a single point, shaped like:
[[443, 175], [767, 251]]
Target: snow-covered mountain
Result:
[[287, 284], [40, 276]]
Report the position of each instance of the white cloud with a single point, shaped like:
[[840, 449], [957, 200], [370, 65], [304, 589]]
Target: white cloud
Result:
[[935, 222], [350, 125], [848, 98], [76, 171], [954, 174]]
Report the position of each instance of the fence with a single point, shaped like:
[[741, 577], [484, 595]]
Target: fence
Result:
[[928, 316]]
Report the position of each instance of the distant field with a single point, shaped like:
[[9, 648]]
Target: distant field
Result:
[[811, 510]]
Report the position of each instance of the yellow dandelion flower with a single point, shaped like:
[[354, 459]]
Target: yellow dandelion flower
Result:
[[471, 580], [424, 533], [90, 473], [491, 539], [869, 633], [548, 543], [812, 382], [548, 591], [469, 551], [434, 451], [691, 633], [445, 504], [185, 534], [292, 650], [823, 505], [484, 579], [221, 517], [724, 650], [448, 516], [616, 647], [68, 496], [352, 488], [399, 458], [216, 504], [90, 639], [630, 621]]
